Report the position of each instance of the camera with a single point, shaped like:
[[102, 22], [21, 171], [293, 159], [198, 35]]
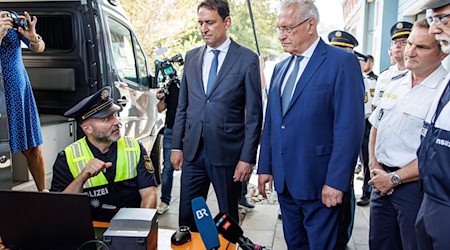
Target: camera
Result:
[[18, 21], [168, 72]]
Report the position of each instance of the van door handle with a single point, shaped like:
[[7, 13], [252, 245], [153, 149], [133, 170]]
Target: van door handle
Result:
[[2, 159], [122, 101]]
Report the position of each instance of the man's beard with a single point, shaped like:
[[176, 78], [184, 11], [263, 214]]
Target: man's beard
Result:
[[104, 137], [444, 47]]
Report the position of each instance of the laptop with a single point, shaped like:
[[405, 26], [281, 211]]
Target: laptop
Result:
[[40, 220]]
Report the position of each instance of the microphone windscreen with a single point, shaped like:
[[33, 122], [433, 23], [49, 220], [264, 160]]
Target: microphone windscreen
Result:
[[228, 227], [205, 223]]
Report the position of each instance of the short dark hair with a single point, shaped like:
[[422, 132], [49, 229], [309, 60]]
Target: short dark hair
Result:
[[221, 6], [370, 58]]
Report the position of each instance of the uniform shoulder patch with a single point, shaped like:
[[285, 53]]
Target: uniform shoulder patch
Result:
[[399, 76], [148, 164]]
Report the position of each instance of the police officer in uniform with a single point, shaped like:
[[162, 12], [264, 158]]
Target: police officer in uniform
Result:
[[369, 84], [395, 137], [346, 41], [114, 171], [433, 220], [399, 34]]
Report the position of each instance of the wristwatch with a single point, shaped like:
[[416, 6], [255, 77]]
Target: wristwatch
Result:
[[395, 179]]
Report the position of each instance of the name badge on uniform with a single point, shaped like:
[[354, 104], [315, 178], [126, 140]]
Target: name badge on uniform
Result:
[[366, 98], [380, 114], [424, 131]]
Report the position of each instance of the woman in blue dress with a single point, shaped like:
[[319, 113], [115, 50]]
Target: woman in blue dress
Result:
[[23, 119]]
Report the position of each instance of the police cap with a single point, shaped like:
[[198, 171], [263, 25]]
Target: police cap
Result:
[[360, 56], [98, 105], [435, 4], [341, 38], [401, 29]]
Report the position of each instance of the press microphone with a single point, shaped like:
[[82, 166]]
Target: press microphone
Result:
[[232, 232], [205, 224]]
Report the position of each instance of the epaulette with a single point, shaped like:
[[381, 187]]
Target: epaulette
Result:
[[399, 76], [62, 153]]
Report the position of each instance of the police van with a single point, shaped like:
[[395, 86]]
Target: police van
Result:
[[89, 44]]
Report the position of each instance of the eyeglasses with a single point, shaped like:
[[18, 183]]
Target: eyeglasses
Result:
[[402, 42], [437, 19], [288, 30]]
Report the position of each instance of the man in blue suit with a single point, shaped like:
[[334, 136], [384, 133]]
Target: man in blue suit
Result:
[[219, 115], [313, 129]]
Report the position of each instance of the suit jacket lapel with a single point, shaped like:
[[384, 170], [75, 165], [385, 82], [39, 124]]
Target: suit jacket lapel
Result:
[[314, 63], [199, 59], [228, 63], [278, 81]]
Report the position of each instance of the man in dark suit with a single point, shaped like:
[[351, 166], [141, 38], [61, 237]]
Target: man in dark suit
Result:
[[219, 115], [313, 129]]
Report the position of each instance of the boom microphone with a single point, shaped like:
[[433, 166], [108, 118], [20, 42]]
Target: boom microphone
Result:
[[205, 224], [232, 232]]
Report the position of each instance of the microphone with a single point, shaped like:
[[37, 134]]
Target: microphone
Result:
[[232, 232], [205, 224]]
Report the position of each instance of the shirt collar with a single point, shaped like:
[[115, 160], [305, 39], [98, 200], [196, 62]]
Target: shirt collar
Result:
[[309, 52], [434, 78], [222, 48]]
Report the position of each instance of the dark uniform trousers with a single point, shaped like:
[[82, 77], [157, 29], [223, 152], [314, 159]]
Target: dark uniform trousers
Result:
[[364, 157], [392, 218], [196, 177]]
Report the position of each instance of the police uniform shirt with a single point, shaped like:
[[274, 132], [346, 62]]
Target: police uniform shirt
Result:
[[383, 81], [126, 193], [369, 85], [400, 115]]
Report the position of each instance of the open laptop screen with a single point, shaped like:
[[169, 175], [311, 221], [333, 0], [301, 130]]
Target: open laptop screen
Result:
[[37, 220]]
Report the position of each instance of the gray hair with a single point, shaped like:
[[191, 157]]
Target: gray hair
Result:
[[306, 8]]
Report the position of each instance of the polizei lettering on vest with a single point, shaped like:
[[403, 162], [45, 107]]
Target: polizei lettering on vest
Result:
[[98, 192]]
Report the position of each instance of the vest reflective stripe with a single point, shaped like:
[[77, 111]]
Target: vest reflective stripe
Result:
[[78, 155], [130, 154]]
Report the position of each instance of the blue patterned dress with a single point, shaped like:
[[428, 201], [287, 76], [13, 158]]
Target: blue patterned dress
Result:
[[23, 118]]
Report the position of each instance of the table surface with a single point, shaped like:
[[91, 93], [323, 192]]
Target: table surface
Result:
[[196, 242], [164, 236]]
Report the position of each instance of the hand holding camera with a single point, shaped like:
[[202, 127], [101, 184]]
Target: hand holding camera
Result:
[[23, 24], [5, 23]]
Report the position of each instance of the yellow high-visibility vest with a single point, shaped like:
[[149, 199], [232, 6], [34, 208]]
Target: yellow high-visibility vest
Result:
[[78, 155]]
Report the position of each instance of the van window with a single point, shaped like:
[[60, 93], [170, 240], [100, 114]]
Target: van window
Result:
[[142, 66], [122, 50], [56, 31]]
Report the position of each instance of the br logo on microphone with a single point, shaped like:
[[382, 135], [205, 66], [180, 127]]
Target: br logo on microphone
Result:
[[201, 213]]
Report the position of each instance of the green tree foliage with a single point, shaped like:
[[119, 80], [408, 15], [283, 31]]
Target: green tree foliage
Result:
[[264, 18], [173, 23]]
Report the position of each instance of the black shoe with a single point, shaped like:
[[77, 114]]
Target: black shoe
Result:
[[246, 204], [363, 201]]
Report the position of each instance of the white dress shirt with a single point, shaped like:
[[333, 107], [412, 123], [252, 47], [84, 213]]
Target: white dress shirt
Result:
[[306, 56]]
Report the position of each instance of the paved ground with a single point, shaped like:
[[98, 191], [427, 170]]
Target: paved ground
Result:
[[261, 224]]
